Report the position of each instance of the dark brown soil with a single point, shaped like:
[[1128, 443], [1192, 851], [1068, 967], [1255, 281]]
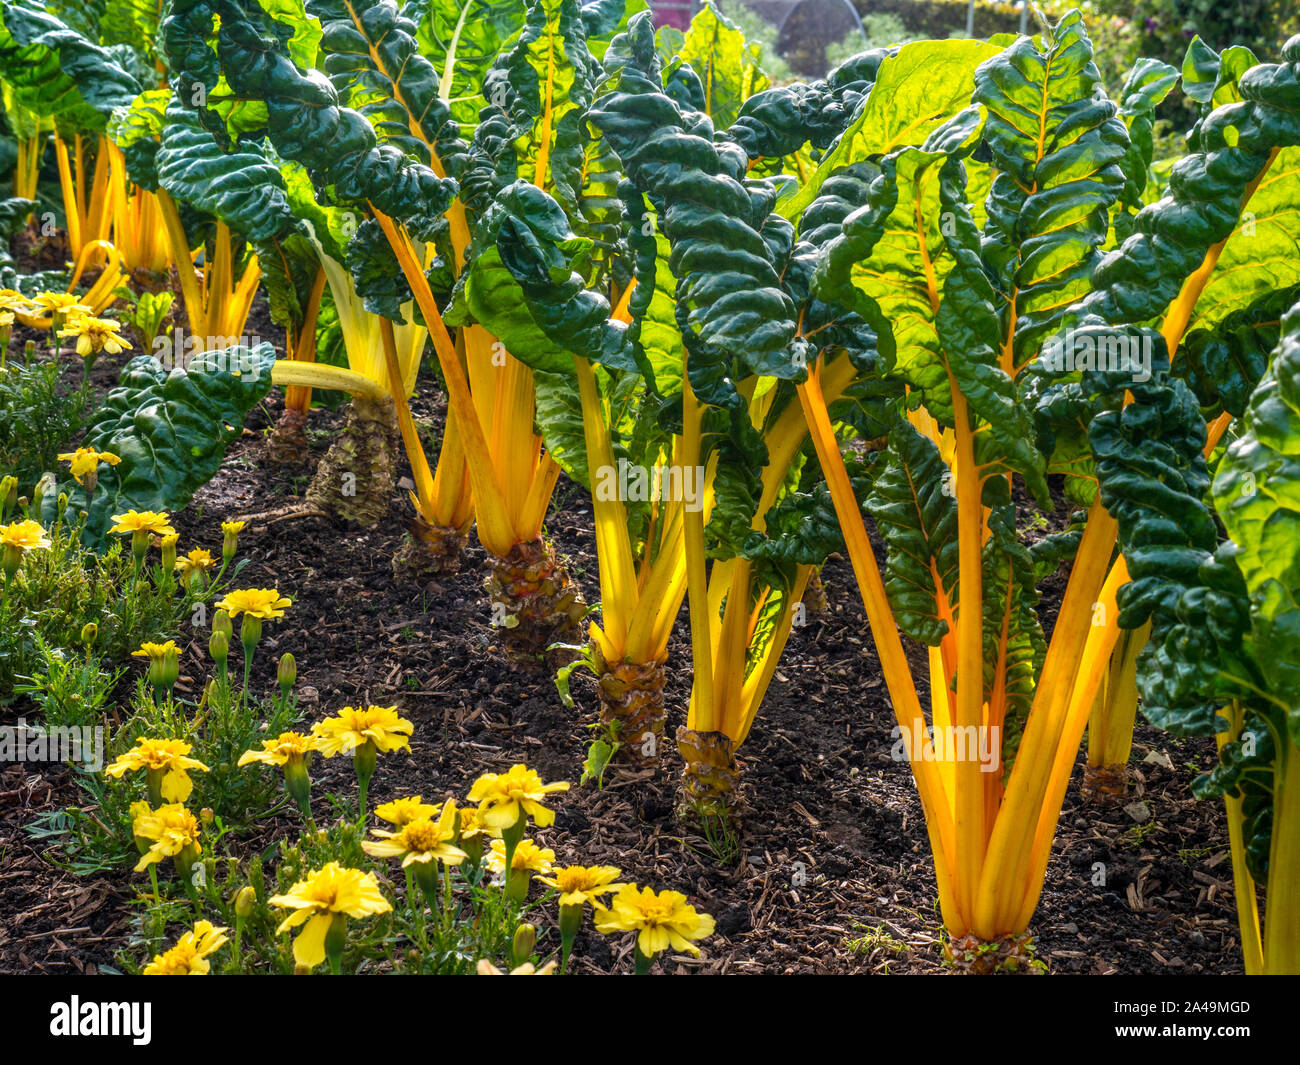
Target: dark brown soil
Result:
[[834, 872]]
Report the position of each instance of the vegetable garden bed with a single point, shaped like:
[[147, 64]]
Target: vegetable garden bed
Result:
[[503, 487]]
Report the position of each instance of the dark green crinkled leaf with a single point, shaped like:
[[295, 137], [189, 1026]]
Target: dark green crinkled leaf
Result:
[[1056, 145], [55, 71], [915, 508], [304, 118], [1138, 281], [170, 429]]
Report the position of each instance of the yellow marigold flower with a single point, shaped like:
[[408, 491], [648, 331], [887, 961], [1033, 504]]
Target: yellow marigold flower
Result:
[[197, 561], [172, 828], [422, 840], [401, 812], [64, 303], [14, 301], [135, 521], [156, 650], [23, 536], [86, 460], [583, 883], [6, 319], [470, 825], [263, 603], [166, 756], [504, 798], [317, 900], [283, 749], [232, 528], [661, 920], [486, 968], [528, 858], [353, 726], [94, 334], [190, 955]]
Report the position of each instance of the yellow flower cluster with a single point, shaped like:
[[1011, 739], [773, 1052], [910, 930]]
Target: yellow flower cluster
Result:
[[189, 957], [327, 895], [84, 463], [168, 758], [23, 536]]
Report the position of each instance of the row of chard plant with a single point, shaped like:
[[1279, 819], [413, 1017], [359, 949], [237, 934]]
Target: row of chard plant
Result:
[[889, 311]]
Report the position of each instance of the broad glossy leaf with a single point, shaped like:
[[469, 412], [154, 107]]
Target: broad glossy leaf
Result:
[[915, 92], [1056, 147], [305, 120], [1257, 493], [53, 70], [170, 429]]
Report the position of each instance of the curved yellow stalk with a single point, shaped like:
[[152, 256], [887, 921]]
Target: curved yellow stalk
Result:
[[1018, 818], [889, 647], [1244, 887], [302, 348], [1029, 863], [967, 772], [755, 688], [697, 583], [405, 423], [618, 592], [289, 373], [191, 294], [491, 516]]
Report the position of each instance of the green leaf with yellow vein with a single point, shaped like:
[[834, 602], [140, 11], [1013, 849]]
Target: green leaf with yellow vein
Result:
[[1056, 145], [728, 66], [1263, 253], [888, 265], [1257, 494], [371, 55], [462, 39], [914, 93]]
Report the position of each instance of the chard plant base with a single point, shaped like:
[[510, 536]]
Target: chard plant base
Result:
[[632, 700], [709, 777], [814, 595], [356, 478], [432, 551], [534, 602], [970, 955], [1105, 785], [287, 445]]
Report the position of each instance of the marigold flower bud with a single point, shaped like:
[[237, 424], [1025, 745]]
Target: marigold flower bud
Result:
[[521, 947], [219, 646], [286, 673], [245, 900]]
